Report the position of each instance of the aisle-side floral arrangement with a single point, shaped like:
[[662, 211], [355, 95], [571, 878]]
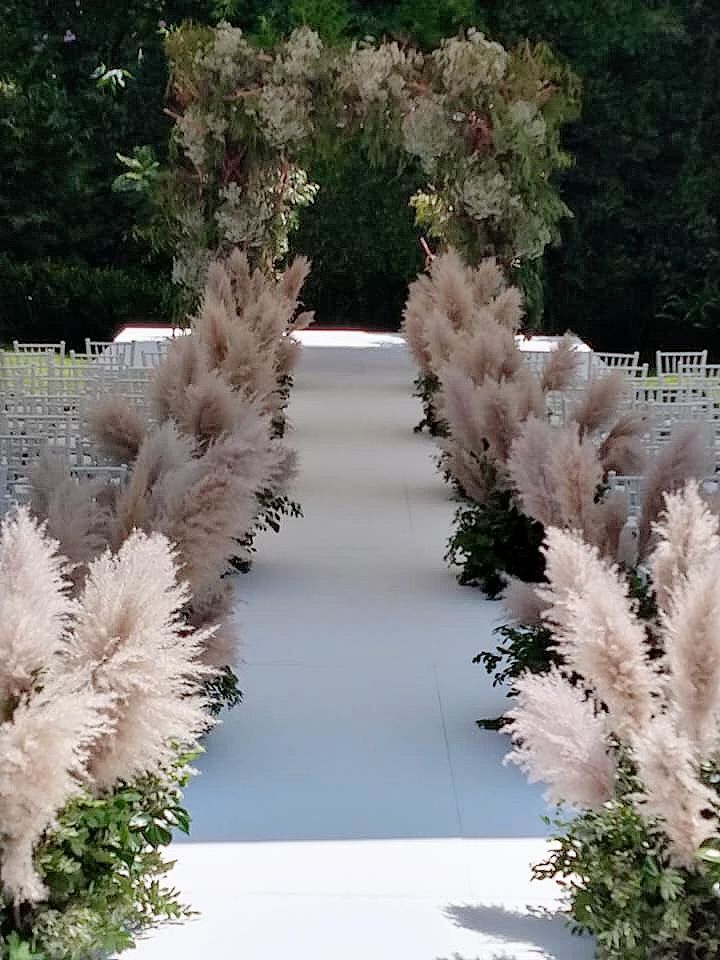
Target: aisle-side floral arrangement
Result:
[[101, 706], [525, 450], [625, 731], [209, 467]]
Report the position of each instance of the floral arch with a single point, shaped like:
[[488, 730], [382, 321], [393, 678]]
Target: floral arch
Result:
[[484, 123]]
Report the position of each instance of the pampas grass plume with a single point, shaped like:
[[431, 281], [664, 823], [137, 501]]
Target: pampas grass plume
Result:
[[34, 603], [560, 739]]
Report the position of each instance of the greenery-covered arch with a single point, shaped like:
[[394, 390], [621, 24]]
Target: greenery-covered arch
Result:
[[483, 122]]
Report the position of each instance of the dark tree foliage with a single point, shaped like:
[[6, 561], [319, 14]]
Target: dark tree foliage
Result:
[[640, 261]]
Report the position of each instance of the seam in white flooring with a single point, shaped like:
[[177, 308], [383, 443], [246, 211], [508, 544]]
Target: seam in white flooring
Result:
[[349, 808]]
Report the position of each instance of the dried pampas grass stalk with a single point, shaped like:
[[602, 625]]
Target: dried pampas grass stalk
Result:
[[118, 428], [561, 739], [684, 458], [561, 369], [599, 403]]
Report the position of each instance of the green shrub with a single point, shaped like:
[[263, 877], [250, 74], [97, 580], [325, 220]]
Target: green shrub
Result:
[[104, 867], [621, 888], [364, 253], [494, 540], [273, 507], [59, 300], [426, 387], [223, 692]]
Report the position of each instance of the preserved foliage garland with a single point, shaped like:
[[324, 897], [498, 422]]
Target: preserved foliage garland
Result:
[[483, 122]]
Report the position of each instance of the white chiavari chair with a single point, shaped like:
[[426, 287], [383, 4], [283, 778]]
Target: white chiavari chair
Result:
[[669, 363]]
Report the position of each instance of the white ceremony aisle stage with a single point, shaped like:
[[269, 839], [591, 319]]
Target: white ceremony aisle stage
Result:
[[350, 808]]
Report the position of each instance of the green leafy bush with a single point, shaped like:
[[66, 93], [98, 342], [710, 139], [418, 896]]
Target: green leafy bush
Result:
[[61, 300], [364, 254], [621, 888], [222, 690], [426, 387], [494, 540], [104, 867], [273, 507]]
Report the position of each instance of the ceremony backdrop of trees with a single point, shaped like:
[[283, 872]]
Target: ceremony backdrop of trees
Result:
[[639, 265]]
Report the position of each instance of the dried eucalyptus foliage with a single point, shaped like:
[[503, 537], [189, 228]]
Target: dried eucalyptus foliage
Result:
[[483, 122]]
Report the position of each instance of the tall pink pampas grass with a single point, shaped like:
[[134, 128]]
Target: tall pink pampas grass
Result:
[[687, 539], [490, 351], [206, 522], [691, 632], [562, 364], [488, 281], [413, 328], [214, 322], [597, 631], [623, 450], [293, 278], [522, 603], [576, 474], [599, 403], [684, 458], [219, 288], [498, 405], [673, 792], [214, 609], [530, 472], [184, 363], [209, 504], [453, 290], [461, 406], [211, 409], [556, 476], [530, 400], [80, 518], [250, 369], [118, 428], [441, 337], [45, 476], [666, 713], [163, 450], [34, 603], [467, 471], [507, 309], [244, 325], [129, 633], [44, 749], [560, 739], [613, 536]]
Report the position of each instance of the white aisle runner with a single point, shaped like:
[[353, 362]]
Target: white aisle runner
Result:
[[350, 809]]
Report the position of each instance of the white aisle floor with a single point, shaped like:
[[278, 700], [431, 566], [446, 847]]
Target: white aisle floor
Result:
[[350, 809]]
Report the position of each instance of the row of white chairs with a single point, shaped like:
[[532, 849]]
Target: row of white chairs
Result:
[[670, 365], [591, 365], [47, 375], [15, 486], [133, 353], [633, 487], [46, 395]]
